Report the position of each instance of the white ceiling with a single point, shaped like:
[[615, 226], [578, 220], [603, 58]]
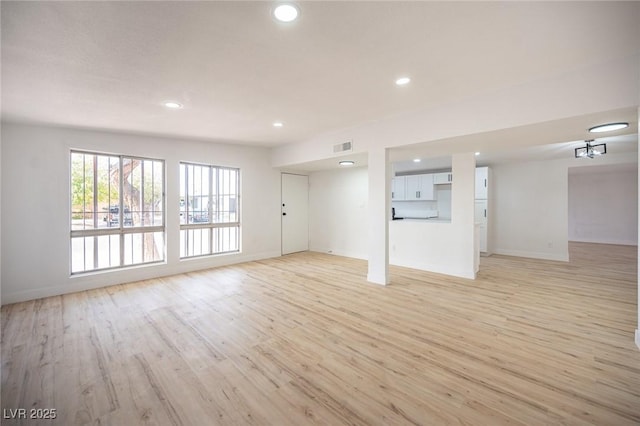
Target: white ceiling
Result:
[[620, 146], [110, 65]]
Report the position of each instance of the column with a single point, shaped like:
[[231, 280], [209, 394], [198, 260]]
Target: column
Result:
[[379, 214], [463, 168]]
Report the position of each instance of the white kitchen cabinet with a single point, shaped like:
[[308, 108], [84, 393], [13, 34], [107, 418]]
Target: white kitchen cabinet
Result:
[[442, 178], [482, 210], [482, 182], [419, 187], [481, 217], [398, 188]]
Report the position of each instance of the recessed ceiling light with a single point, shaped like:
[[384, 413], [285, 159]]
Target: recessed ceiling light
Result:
[[402, 81], [477, 153], [608, 127], [416, 160], [347, 163], [172, 105], [286, 12], [278, 124]]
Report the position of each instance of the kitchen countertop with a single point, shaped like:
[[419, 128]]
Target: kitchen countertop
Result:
[[431, 219]]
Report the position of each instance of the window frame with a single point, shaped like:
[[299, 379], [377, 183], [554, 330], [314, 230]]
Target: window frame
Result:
[[121, 230], [210, 224]]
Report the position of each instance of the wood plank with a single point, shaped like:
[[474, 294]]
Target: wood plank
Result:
[[304, 339]]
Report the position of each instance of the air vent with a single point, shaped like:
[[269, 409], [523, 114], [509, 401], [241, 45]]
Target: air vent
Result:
[[343, 147]]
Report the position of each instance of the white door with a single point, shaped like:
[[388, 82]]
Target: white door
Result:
[[295, 213]]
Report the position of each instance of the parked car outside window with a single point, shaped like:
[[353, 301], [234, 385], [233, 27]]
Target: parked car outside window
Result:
[[113, 217]]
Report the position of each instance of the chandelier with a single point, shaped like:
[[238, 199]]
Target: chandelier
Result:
[[591, 150]]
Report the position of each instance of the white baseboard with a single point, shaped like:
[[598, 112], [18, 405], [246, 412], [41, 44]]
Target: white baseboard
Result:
[[534, 255], [602, 241], [378, 279], [92, 281], [339, 252], [437, 268]]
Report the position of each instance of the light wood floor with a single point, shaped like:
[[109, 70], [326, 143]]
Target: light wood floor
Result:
[[304, 339]]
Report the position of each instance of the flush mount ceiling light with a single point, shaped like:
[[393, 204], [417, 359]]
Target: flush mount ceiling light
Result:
[[403, 81], [347, 163], [610, 127], [477, 153], [416, 160], [172, 104], [286, 12], [278, 124], [590, 150]]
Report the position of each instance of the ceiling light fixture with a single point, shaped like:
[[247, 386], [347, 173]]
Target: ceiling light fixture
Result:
[[477, 153], [172, 105], [416, 160], [403, 81], [610, 127], [286, 12], [347, 163], [278, 124], [590, 151]]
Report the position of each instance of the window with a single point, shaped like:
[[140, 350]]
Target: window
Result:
[[209, 218], [117, 211]]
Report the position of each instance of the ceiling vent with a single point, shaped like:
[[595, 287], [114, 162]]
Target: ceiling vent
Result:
[[343, 147]]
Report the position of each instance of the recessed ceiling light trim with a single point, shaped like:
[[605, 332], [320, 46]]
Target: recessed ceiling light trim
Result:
[[416, 160], [278, 124], [346, 163], [286, 12], [173, 105], [609, 127], [402, 81]]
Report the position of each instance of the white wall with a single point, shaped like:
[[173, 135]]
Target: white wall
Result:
[[530, 205], [338, 218], [339, 222], [35, 224], [530, 214], [603, 205], [446, 248]]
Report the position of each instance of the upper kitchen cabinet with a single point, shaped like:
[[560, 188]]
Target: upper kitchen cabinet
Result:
[[482, 182], [412, 188], [398, 188], [419, 187], [442, 178]]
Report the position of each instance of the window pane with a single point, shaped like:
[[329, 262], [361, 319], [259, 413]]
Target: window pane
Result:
[[99, 252], [143, 247], [81, 254], [226, 239], [227, 191], [195, 242], [108, 251], [152, 188], [82, 191], [108, 190], [208, 195], [93, 189], [110, 193], [132, 191]]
